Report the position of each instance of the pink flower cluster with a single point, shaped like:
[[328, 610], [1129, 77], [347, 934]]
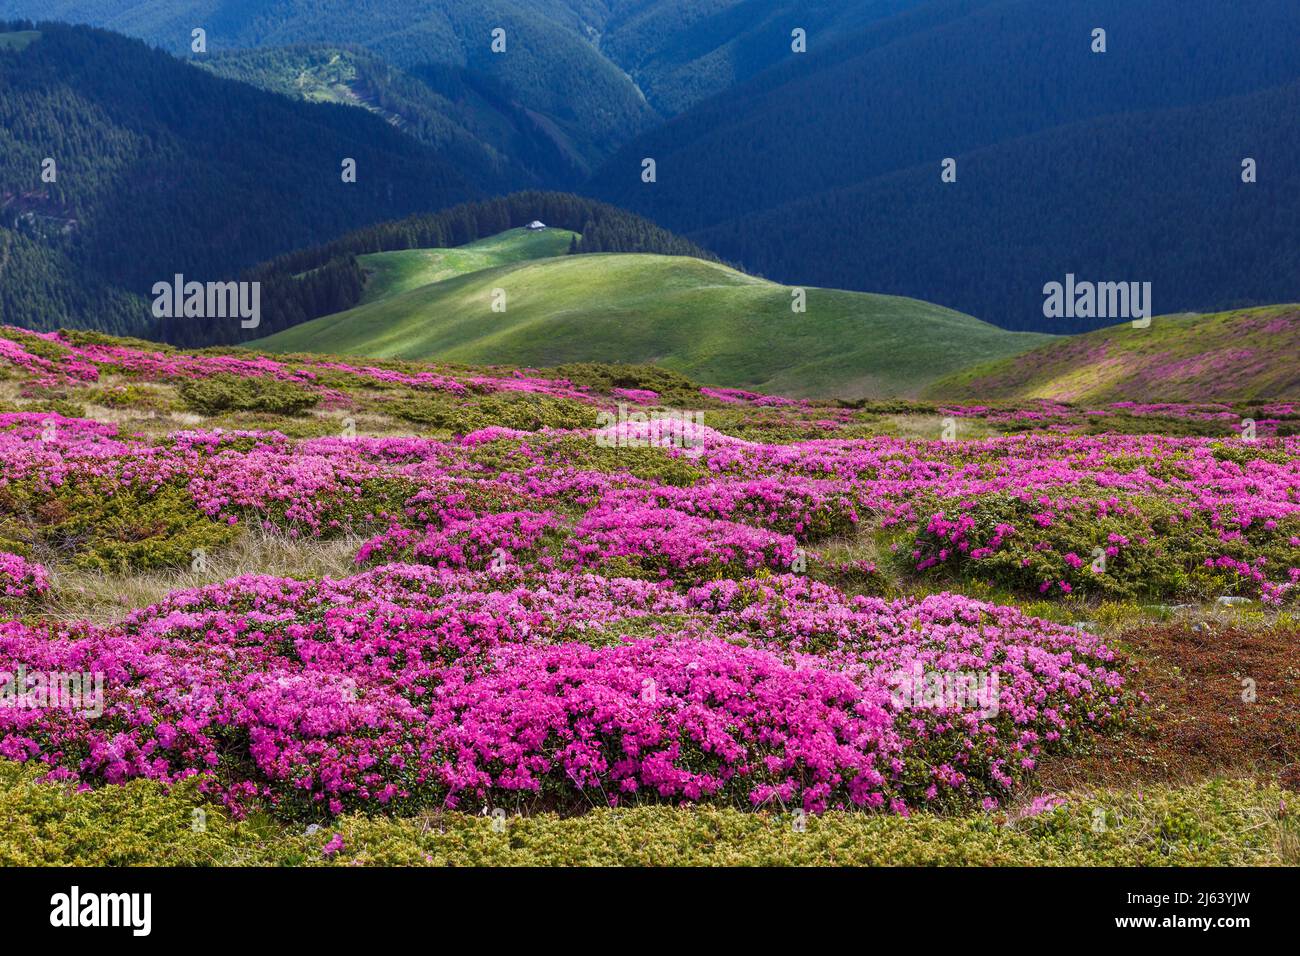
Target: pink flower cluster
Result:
[[84, 363], [47, 371], [806, 508], [477, 542], [739, 396], [21, 581], [413, 683], [674, 544]]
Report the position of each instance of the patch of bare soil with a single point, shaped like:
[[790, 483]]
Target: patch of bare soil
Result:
[[1222, 701]]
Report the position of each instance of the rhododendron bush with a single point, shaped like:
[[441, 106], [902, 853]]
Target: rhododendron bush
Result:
[[22, 582], [410, 684]]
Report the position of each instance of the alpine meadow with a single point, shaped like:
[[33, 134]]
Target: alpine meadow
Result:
[[853, 435]]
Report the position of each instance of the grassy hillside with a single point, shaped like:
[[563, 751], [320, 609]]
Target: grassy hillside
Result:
[[703, 319], [393, 273], [18, 39], [327, 278], [1243, 354]]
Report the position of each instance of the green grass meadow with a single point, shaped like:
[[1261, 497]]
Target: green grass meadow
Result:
[[706, 320]]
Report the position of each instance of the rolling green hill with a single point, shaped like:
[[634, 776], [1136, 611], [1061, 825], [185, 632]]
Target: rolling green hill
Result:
[[1232, 355], [18, 39], [704, 319], [393, 273]]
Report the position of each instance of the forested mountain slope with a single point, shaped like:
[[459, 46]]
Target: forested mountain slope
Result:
[[160, 168], [549, 64], [471, 120], [1152, 197], [1068, 160]]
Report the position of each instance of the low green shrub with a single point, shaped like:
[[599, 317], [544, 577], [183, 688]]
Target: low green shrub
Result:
[[524, 411], [673, 388], [1153, 548], [226, 393], [1216, 823], [96, 524], [129, 396]]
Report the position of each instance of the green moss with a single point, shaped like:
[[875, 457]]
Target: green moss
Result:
[[1217, 823]]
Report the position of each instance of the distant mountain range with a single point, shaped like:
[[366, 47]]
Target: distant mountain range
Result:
[[593, 71], [581, 99], [471, 120], [1121, 165], [805, 141]]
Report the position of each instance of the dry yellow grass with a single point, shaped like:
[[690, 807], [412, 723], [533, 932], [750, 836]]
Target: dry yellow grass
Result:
[[104, 598]]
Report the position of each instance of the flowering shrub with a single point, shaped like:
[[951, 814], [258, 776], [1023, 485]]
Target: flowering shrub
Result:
[[1170, 517], [301, 493], [1138, 546], [23, 583], [809, 510], [652, 611], [737, 395], [661, 542], [475, 542], [637, 396], [415, 684]]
